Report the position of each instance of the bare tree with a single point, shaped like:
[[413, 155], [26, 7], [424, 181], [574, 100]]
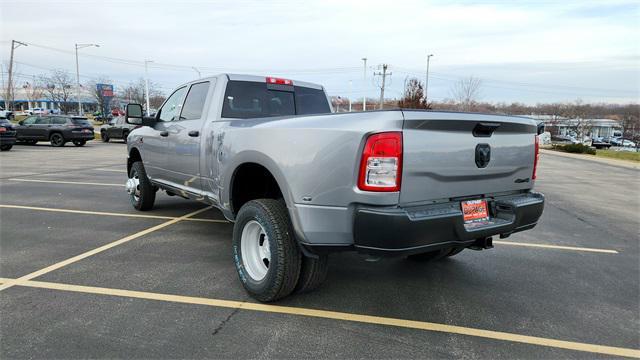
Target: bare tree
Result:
[[8, 91], [135, 93], [466, 92], [413, 97], [59, 88], [34, 89]]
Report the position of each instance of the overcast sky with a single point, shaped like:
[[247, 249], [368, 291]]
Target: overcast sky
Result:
[[528, 51]]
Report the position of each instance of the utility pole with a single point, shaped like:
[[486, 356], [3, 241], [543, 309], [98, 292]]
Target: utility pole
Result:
[[384, 75], [364, 85], [9, 100], [350, 83], [146, 84], [80, 46], [426, 82]]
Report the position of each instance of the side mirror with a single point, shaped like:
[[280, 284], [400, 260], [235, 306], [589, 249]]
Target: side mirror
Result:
[[540, 128], [133, 114]]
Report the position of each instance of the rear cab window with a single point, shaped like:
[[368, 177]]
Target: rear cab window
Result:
[[249, 99]]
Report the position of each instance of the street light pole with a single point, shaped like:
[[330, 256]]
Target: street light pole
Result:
[[146, 84], [426, 82], [364, 97], [80, 46]]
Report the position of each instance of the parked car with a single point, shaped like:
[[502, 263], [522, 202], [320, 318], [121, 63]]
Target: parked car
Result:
[[56, 129], [117, 128], [7, 135], [628, 143], [600, 143], [300, 182], [563, 139], [6, 114]]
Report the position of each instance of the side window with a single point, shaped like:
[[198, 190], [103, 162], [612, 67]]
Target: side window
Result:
[[42, 121], [30, 120], [194, 103], [171, 109], [58, 121]]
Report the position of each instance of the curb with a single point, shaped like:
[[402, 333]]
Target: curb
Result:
[[613, 162]]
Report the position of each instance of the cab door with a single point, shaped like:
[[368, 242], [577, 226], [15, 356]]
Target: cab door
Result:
[[26, 130], [185, 134], [155, 139]]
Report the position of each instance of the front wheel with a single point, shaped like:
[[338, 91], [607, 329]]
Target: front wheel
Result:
[[104, 136], [265, 252], [142, 193], [5, 147], [57, 140], [79, 142]]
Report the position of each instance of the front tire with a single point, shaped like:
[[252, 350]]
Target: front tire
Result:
[[265, 251], [104, 136], [125, 135], [79, 142], [142, 193], [5, 147], [57, 140]]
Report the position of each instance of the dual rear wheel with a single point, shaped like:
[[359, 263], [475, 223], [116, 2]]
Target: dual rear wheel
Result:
[[266, 255]]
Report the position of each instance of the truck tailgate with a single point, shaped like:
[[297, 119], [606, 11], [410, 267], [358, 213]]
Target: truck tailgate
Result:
[[444, 157]]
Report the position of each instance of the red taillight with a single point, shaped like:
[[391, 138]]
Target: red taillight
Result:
[[3, 129], [535, 159], [381, 164], [279, 81]]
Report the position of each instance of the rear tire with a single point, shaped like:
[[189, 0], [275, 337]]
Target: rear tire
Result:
[[5, 147], [313, 273], [265, 252], [79, 142], [143, 193], [57, 140], [124, 136], [104, 136]]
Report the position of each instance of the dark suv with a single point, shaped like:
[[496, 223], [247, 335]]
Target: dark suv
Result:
[[56, 129], [7, 135], [117, 128]]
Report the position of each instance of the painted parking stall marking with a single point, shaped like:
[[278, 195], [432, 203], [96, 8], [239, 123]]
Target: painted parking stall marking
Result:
[[335, 315]]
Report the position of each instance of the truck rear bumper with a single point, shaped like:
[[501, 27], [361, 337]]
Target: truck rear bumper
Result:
[[403, 231]]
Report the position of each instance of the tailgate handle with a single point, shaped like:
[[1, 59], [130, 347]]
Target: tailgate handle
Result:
[[483, 129]]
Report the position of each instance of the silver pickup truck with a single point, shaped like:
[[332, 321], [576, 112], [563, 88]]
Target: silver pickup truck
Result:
[[300, 182]]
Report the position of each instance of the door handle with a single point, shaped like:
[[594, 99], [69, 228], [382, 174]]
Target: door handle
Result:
[[194, 133], [164, 133]]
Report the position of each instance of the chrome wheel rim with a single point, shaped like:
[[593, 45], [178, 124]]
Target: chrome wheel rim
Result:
[[133, 186], [256, 253]]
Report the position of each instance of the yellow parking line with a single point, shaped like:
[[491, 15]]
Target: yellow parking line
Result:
[[65, 182], [102, 213], [343, 316], [557, 247], [98, 250]]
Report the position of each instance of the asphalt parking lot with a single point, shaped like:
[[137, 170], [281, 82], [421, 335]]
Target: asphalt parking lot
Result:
[[83, 275]]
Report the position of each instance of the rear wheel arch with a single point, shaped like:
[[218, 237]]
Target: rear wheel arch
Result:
[[251, 181]]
